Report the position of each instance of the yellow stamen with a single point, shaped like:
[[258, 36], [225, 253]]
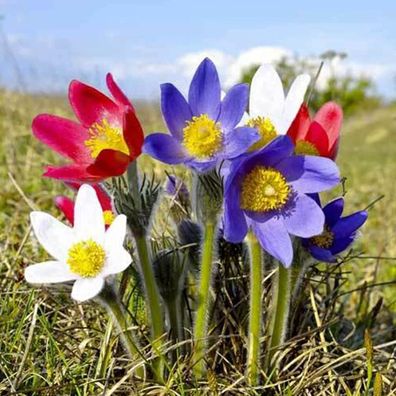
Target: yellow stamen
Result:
[[264, 189], [324, 240], [103, 136], [202, 137], [86, 258], [305, 148], [265, 129], [108, 217]]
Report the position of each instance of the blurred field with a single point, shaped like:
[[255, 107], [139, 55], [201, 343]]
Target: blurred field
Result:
[[367, 159]]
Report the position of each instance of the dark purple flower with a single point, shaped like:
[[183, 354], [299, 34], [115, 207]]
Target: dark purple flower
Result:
[[203, 130], [267, 192], [339, 232]]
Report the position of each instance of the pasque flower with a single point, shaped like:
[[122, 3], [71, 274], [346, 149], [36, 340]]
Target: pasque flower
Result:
[[106, 138], [203, 130], [267, 192], [270, 111], [86, 253], [338, 234], [66, 204], [320, 135]]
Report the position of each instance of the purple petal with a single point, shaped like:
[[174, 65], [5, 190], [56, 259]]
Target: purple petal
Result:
[[233, 106], [238, 141], [234, 221], [341, 244], [349, 224], [275, 240], [310, 174], [175, 110], [304, 218], [204, 93], [165, 148], [333, 211], [201, 166], [321, 254]]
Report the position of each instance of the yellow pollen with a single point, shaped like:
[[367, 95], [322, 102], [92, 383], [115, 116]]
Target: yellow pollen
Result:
[[108, 217], [324, 240], [103, 135], [265, 129], [264, 189], [305, 148], [202, 137], [86, 258]]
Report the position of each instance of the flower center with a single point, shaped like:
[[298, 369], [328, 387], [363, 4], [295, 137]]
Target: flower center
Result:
[[86, 258], [324, 240], [265, 129], [202, 137], [264, 189], [103, 135], [305, 148], [108, 217]]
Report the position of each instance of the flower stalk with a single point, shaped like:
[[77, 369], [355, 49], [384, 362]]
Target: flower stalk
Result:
[[255, 315]]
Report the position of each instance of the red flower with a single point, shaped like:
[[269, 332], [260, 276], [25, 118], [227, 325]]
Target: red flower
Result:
[[319, 136], [106, 139], [66, 205]]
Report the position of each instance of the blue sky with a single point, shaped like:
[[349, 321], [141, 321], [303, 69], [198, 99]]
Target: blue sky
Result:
[[46, 43]]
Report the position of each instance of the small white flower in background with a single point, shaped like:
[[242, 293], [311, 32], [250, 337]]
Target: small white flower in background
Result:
[[86, 253], [269, 110]]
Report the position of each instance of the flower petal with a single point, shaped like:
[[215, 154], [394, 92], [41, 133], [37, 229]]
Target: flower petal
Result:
[[88, 215], [72, 173], [329, 117], [87, 288], [238, 141], [304, 218], [117, 261], [109, 163], [133, 133], [349, 224], [117, 93], [233, 106], [309, 174], [275, 240], [165, 148], [90, 105], [115, 234], [318, 137], [175, 110], [54, 236], [64, 136], [266, 94], [293, 102], [342, 244], [322, 254], [333, 211], [204, 93], [49, 272], [66, 205], [299, 127]]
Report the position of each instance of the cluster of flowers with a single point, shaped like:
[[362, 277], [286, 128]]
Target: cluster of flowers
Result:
[[274, 160]]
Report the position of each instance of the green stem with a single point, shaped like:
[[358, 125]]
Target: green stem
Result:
[[255, 315], [111, 301], [201, 319], [176, 325], [280, 312]]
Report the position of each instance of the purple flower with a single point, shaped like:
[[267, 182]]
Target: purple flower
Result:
[[339, 232], [267, 192], [175, 186], [203, 130]]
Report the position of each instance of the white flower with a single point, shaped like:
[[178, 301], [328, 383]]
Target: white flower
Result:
[[269, 110], [85, 253]]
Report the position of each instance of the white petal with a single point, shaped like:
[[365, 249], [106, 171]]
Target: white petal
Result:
[[117, 261], [49, 272], [88, 215], [55, 236], [293, 101], [266, 94], [86, 288], [115, 234]]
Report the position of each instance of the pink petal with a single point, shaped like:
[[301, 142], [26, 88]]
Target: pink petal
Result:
[[318, 137], [117, 93], [72, 173], [66, 205], [133, 133], [109, 163], [90, 105], [64, 136], [329, 117], [300, 125]]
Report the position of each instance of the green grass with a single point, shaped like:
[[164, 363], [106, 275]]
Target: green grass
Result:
[[49, 345]]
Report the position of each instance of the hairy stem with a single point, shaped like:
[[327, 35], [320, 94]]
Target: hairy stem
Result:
[[255, 315], [201, 320]]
